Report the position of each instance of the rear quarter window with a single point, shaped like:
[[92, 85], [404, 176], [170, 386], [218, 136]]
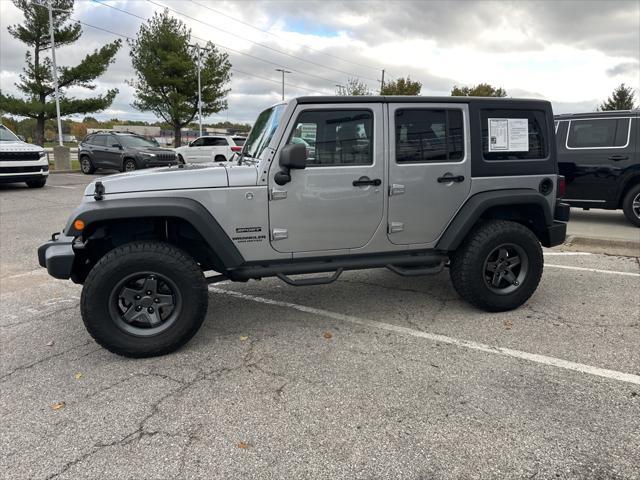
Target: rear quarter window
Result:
[[532, 144], [599, 133]]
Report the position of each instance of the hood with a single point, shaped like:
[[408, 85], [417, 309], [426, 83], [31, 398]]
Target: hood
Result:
[[183, 177], [18, 146]]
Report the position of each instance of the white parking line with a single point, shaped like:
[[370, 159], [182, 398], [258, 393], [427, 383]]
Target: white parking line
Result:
[[63, 186], [565, 253], [26, 274], [532, 357], [594, 270]]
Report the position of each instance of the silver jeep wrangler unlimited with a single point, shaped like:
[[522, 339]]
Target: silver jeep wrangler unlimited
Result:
[[323, 185]]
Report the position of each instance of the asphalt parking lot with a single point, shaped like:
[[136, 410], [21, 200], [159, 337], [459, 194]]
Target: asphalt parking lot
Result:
[[373, 376]]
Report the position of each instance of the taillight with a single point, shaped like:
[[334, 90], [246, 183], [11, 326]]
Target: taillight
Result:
[[561, 187], [236, 149]]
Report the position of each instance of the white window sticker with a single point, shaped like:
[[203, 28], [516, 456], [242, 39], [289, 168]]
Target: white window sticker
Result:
[[508, 135]]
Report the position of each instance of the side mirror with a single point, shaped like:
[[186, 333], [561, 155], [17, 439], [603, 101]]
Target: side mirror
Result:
[[292, 156], [190, 144], [116, 145]]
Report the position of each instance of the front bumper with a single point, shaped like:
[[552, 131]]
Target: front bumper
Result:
[[57, 256]]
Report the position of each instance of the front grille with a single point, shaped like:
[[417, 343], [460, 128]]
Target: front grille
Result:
[[165, 156], [37, 168], [13, 156]]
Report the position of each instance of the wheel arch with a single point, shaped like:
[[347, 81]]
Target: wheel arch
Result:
[[525, 206], [182, 222], [629, 183]]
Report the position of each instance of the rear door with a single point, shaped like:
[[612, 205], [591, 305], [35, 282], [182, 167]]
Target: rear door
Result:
[[429, 169], [593, 153], [336, 202], [219, 147]]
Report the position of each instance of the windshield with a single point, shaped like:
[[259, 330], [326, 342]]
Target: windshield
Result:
[[135, 142], [7, 135], [262, 131]]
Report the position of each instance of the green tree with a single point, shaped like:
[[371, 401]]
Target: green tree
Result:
[[354, 86], [166, 80], [480, 90], [36, 82], [621, 99], [401, 86]]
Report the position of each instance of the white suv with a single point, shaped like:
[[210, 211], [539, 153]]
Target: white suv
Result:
[[21, 161], [219, 148]]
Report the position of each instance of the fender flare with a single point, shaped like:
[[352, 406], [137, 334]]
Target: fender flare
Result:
[[186, 209], [479, 203]]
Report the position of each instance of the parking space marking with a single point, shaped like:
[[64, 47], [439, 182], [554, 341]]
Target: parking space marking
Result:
[[64, 186], [566, 253], [593, 270], [26, 274], [507, 352]]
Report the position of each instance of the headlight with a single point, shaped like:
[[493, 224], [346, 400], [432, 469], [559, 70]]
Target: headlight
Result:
[[43, 154], [145, 154]]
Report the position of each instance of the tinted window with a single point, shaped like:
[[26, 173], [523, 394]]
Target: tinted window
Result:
[[100, 140], [134, 141], [239, 141], [216, 142], [538, 147], [199, 142], [335, 137], [598, 133], [429, 135]]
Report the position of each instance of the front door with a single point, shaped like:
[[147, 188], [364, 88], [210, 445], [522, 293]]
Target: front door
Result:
[[429, 169], [336, 202]]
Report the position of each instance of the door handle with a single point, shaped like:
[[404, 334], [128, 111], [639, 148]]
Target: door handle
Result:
[[617, 158], [364, 181], [459, 178]]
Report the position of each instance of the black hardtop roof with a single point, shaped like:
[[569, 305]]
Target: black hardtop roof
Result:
[[412, 99], [605, 114]]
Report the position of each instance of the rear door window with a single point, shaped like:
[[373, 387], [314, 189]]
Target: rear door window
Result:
[[100, 140], [429, 135], [599, 133]]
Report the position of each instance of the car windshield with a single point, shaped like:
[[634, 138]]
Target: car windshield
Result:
[[263, 131], [7, 135], [135, 142]]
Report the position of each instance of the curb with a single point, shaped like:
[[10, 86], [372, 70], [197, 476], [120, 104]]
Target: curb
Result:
[[628, 248]]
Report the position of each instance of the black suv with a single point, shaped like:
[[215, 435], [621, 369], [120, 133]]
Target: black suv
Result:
[[122, 151], [599, 156]]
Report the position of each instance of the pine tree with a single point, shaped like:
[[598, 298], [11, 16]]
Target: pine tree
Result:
[[36, 81], [621, 99], [166, 80]]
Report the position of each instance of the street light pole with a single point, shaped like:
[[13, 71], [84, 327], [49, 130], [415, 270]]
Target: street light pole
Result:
[[199, 94], [283, 72], [54, 70]]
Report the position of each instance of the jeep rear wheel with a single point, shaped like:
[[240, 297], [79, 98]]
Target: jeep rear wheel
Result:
[[498, 267], [144, 299], [86, 165], [631, 205]]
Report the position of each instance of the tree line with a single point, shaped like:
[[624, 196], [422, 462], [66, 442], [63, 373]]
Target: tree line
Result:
[[165, 64]]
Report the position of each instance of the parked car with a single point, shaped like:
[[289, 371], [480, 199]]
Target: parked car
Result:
[[122, 151], [381, 192], [21, 161], [214, 148], [599, 156]]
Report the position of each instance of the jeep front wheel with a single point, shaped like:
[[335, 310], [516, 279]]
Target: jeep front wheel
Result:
[[498, 267], [144, 299]]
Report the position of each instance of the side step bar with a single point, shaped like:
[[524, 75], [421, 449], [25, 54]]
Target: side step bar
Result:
[[417, 271], [303, 282]]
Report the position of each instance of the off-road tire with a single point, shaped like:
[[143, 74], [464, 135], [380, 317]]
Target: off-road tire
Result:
[[129, 165], [37, 183], [467, 266], [220, 158], [151, 256], [86, 165], [627, 205]]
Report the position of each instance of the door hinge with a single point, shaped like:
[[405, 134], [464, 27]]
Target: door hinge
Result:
[[275, 194], [279, 234], [395, 227], [396, 189]]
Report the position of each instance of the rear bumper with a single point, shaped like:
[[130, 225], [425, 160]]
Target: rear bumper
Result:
[[57, 256], [556, 233]]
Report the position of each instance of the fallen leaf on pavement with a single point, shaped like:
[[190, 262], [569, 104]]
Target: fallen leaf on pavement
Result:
[[243, 445], [508, 324], [327, 335], [51, 343], [58, 405], [78, 376], [244, 339]]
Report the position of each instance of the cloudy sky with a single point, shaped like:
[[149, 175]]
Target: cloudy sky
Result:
[[572, 53]]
